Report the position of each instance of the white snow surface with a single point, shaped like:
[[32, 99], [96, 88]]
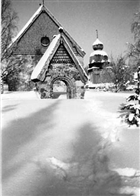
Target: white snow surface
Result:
[[42, 139], [97, 41], [98, 52]]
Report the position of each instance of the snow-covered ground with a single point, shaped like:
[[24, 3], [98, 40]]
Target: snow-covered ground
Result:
[[24, 95], [67, 147]]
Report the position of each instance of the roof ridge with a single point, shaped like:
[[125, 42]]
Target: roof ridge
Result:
[[81, 67], [47, 56], [34, 17]]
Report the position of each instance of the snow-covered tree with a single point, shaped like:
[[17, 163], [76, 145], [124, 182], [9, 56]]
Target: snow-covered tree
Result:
[[133, 53], [15, 70], [17, 73], [132, 108], [8, 31], [119, 73], [9, 20]]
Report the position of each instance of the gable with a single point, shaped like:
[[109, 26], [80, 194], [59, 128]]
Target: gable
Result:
[[61, 56], [58, 52], [42, 23], [30, 42]]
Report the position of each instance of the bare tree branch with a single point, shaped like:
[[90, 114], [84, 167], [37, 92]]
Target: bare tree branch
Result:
[[9, 25]]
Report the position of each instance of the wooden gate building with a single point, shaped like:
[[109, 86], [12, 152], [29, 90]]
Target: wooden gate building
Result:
[[59, 63]]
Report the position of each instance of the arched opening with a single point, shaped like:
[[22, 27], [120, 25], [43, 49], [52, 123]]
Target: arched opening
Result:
[[59, 90], [62, 87]]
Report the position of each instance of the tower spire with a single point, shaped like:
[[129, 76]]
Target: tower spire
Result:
[[96, 33], [43, 2]]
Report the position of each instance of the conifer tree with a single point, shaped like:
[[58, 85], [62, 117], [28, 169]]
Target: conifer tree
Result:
[[131, 110]]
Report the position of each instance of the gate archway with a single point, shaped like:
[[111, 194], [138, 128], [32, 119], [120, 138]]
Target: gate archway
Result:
[[59, 90], [70, 86]]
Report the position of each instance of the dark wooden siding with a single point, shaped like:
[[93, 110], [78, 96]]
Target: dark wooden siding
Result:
[[30, 42], [61, 56]]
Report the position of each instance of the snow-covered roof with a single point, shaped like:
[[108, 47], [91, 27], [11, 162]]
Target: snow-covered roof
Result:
[[41, 9], [98, 52], [42, 66], [28, 23], [91, 68], [97, 42], [49, 52]]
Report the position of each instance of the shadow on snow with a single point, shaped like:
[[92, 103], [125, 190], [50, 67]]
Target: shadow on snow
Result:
[[21, 132], [92, 176]]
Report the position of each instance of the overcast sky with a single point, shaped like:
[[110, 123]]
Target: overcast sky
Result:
[[81, 18]]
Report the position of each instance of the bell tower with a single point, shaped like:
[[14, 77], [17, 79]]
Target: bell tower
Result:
[[98, 58]]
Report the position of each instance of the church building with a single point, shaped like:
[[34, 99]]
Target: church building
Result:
[[60, 58]]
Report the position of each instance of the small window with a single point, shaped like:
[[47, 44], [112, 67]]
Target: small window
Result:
[[45, 41]]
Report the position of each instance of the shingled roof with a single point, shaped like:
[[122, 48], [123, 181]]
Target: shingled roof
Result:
[[43, 9], [42, 66]]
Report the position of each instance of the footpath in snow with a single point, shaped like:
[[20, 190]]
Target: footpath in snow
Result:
[[67, 147]]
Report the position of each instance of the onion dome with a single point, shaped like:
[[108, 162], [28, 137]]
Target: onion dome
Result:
[[98, 56], [97, 45]]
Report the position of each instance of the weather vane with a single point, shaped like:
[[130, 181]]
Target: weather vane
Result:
[[97, 33]]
